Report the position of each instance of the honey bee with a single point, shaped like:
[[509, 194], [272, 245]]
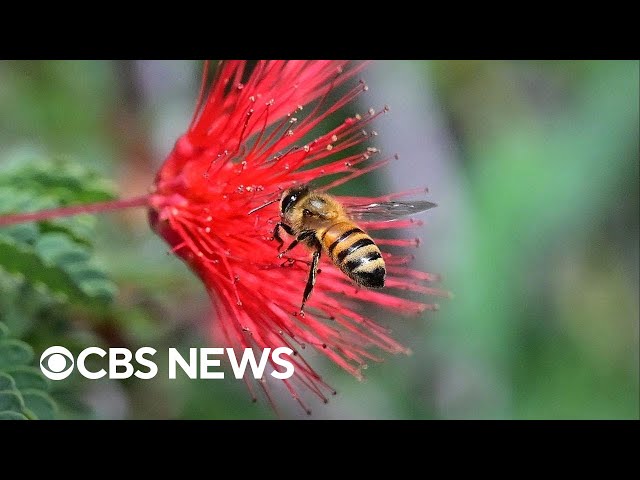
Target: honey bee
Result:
[[324, 224]]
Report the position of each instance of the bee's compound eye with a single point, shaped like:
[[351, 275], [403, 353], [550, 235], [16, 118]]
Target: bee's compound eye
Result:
[[288, 201]]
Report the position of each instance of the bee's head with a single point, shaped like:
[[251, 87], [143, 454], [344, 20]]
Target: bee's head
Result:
[[291, 196]]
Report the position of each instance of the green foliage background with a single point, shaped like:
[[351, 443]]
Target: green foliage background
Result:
[[544, 323]]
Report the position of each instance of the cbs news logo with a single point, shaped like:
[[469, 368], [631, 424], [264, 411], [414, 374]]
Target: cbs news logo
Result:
[[57, 363]]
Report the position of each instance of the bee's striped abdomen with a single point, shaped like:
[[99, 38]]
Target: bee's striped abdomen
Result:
[[355, 253]]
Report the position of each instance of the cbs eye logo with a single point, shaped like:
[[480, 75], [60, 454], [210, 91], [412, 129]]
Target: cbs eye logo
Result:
[[56, 363]]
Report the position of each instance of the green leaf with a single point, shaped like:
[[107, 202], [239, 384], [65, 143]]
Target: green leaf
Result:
[[41, 404], [9, 415], [62, 179], [74, 259], [44, 264], [11, 400], [4, 330], [17, 258], [14, 352], [54, 253], [23, 232], [79, 227], [22, 387], [58, 263], [7, 382], [26, 377], [17, 200]]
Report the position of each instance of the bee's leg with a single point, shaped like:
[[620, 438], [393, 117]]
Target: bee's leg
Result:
[[303, 236], [313, 273], [276, 233]]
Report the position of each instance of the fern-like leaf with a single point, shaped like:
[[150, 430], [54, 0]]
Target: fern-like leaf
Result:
[[54, 253], [23, 388]]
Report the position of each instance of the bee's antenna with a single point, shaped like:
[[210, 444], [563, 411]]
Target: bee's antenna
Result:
[[262, 206]]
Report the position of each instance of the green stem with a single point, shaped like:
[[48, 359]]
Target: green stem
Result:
[[97, 207]]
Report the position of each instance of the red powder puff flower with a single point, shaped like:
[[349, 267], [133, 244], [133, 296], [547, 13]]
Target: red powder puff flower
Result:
[[248, 142]]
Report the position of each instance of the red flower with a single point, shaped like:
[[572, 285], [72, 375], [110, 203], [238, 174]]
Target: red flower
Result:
[[247, 142]]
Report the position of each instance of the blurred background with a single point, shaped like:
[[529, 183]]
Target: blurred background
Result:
[[533, 164]]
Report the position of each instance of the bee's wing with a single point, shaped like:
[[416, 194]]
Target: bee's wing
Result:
[[386, 211]]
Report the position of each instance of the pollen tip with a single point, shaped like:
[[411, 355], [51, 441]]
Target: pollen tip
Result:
[[408, 351]]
